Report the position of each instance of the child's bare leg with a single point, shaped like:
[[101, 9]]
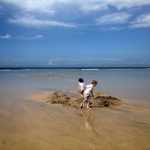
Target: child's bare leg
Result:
[[81, 95], [81, 105], [88, 105]]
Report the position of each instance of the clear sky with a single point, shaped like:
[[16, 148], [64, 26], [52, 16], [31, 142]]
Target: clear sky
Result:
[[74, 33]]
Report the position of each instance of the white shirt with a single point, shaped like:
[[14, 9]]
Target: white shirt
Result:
[[81, 86], [89, 89]]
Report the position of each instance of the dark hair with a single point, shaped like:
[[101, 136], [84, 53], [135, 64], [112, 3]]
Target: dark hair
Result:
[[81, 80], [94, 82]]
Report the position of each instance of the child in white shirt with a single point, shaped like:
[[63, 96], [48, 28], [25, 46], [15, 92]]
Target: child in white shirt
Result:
[[81, 86], [88, 93]]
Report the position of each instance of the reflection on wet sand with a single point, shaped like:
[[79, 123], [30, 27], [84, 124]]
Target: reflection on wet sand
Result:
[[88, 117]]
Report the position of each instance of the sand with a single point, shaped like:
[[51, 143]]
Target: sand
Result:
[[74, 100], [53, 120]]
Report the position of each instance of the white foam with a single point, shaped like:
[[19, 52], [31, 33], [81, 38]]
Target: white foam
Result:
[[90, 69]]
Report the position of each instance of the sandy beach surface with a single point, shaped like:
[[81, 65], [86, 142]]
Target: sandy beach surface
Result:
[[35, 122], [40, 110]]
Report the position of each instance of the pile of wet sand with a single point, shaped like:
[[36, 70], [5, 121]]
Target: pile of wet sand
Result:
[[99, 100]]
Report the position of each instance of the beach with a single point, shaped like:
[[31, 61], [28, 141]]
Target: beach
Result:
[[32, 118]]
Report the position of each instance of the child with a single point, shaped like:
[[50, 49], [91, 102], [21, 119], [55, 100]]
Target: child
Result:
[[88, 92], [81, 86]]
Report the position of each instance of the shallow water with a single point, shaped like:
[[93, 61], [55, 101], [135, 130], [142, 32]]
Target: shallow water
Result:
[[34, 125], [128, 84]]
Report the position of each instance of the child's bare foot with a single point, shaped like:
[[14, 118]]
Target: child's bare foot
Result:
[[89, 108]]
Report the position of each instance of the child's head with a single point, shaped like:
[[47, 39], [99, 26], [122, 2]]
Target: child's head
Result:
[[80, 80], [94, 82]]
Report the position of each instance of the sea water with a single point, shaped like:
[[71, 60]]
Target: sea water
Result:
[[125, 83]]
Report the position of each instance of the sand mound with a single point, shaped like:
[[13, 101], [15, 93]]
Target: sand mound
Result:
[[74, 101]]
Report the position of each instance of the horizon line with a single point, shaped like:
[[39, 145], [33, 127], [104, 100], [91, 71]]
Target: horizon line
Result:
[[66, 67]]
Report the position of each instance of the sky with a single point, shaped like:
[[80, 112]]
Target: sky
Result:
[[74, 33]]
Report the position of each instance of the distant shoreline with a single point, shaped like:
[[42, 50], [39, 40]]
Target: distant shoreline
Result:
[[81, 68]]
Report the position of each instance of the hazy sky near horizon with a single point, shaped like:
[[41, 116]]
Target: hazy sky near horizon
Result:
[[74, 33]]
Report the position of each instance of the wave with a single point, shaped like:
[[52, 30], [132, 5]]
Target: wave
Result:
[[90, 69], [117, 68], [7, 70]]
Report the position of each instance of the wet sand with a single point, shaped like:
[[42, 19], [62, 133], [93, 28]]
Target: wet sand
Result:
[[35, 122]]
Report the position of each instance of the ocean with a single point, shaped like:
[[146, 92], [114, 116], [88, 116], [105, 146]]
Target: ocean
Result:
[[127, 83]]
